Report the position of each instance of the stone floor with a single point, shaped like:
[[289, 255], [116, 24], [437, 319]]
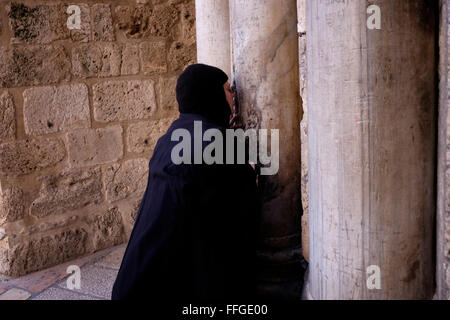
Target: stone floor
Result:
[[98, 272]]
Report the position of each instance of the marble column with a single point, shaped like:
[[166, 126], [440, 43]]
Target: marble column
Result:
[[266, 69], [443, 171], [371, 139], [213, 33]]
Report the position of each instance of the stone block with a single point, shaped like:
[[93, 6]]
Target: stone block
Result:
[[163, 21], [37, 23], [40, 253], [67, 191], [188, 22], [50, 225], [96, 60], [124, 100], [125, 180], [130, 60], [52, 109], [33, 65], [133, 21], [26, 156], [142, 136], [7, 117], [88, 147], [107, 229], [143, 21], [167, 95], [103, 29], [105, 60], [11, 205], [153, 56], [181, 55], [84, 33], [129, 210]]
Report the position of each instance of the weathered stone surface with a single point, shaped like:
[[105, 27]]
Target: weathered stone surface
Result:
[[103, 29], [370, 184], [40, 253], [84, 33], [188, 22], [133, 20], [105, 60], [33, 65], [107, 229], [142, 136], [181, 55], [37, 24], [125, 180], [26, 156], [167, 94], [130, 211], [130, 59], [11, 205], [50, 225], [162, 22], [95, 60], [67, 191], [7, 117], [53, 109], [123, 100], [89, 147], [153, 56], [143, 21]]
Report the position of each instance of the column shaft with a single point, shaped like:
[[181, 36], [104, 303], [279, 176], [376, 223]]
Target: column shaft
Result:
[[213, 33], [371, 138], [265, 63]]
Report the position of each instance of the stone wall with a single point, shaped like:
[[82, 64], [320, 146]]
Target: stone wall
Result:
[[80, 113]]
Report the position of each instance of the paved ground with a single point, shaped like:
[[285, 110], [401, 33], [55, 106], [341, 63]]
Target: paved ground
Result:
[[98, 272]]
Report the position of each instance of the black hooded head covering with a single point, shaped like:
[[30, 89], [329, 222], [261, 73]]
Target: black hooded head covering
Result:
[[200, 91]]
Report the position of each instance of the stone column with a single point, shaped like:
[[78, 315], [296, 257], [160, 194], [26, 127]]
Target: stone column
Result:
[[213, 33], [266, 69], [371, 131], [443, 171]]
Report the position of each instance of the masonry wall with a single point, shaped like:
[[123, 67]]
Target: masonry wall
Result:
[[80, 113]]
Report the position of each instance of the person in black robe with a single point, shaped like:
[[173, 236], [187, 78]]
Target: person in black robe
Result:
[[195, 235]]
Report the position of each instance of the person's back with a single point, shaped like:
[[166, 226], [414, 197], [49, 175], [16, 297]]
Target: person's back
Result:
[[195, 233]]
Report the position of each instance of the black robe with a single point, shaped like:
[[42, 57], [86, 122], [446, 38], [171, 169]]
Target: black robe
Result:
[[196, 230]]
